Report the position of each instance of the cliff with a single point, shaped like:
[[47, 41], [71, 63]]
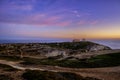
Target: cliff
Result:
[[51, 49], [82, 45], [74, 48]]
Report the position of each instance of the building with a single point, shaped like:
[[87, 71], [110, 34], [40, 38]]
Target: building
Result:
[[76, 40], [83, 39]]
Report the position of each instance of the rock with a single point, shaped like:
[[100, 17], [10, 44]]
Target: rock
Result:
[[56, 53], [98, 47], [77, 48]]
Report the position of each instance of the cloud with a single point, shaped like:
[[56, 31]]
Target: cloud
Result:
[[35, 17], [81, 22], [65, 23], [87, 22], [55, 20], [35, 12], [94, 22], [17, 5], [22, 7], [44, 19], [75, 11], [78, 13]]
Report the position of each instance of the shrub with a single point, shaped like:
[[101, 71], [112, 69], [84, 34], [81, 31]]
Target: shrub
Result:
[[5, 77], [47, 75], [7, 68], [106, 60]]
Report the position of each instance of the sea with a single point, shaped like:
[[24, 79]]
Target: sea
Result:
[[113, 43]]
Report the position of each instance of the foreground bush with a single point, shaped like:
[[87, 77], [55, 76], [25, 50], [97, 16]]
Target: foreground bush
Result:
[[7, 68], [5, 77], [46, 75]]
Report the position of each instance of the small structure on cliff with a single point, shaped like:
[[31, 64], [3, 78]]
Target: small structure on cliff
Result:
[[76, 40], [83, 39]]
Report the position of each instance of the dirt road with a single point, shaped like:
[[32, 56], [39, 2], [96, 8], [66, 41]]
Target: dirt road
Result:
[[108, 73]]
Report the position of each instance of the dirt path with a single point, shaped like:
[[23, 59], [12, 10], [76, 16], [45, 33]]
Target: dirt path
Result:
[[108, 73]]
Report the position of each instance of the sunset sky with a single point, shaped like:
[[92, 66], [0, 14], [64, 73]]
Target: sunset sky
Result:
[[59, 19]]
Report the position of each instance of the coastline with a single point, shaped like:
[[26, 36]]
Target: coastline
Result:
[[113, 43]]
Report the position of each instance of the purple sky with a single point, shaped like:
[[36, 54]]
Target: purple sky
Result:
[[59, 19]]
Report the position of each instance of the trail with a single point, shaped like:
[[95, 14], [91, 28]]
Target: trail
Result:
[[107, 73]]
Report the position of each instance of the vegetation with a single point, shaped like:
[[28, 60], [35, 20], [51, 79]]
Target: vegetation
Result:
[[47, 75], [5, 77], [107, 60], [10, 58], [72, 45], [2, 48], [7, 68]]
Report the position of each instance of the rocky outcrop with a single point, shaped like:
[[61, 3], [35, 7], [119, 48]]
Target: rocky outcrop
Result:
[[56, 53], [97, 47], [76, 48]]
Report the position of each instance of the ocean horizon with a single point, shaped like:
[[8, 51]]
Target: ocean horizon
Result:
[[113, 43]]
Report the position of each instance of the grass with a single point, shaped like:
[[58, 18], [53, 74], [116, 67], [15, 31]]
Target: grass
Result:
[[47, 75], [107, 60], [7, 68]]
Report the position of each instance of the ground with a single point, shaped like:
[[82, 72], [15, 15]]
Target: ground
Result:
[[93, 65], [103, 73]]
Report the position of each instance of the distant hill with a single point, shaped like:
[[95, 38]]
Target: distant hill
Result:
[[82, 45], [51, 49]]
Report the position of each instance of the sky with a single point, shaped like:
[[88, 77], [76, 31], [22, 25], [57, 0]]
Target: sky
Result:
[[59, 19]]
